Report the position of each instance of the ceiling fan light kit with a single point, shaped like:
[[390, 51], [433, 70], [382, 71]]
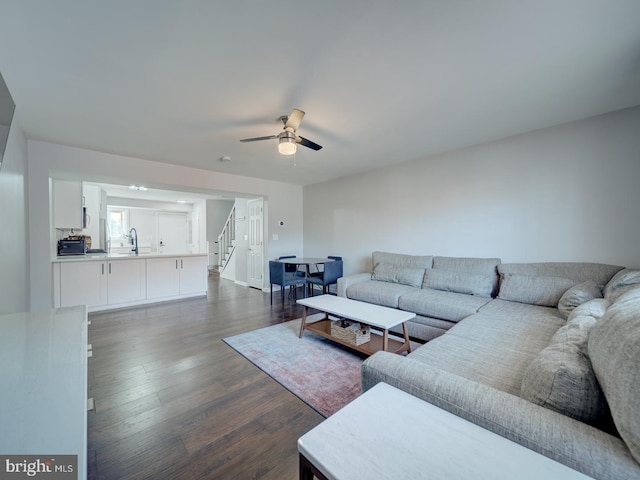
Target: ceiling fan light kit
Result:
[[288, 140], [287, 143]]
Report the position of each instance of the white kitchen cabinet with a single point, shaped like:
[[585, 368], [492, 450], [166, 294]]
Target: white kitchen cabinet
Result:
[[104, 283], [173, 276], [126, 281], [163, 277], [193, 275], [67, 204], [83, 283]]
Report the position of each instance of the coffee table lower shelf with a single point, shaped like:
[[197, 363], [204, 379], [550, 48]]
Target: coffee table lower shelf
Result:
[[323, 328]]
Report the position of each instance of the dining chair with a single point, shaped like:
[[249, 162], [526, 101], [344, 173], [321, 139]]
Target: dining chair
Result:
[[278, 276], [329, 276], [290, 267], [319, 268]]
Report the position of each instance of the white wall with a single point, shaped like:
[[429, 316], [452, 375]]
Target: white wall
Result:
[[14, 247], [199, 227], [217, 214], [568, 193], [51, 160]]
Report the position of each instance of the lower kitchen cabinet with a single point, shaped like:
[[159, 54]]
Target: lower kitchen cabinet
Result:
[[120, 282], [126, 281], [193, 275], [83, 283], [173, 276], [163, 277]]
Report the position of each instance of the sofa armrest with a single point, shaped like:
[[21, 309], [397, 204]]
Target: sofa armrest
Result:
[[347, 281], [564, 439]]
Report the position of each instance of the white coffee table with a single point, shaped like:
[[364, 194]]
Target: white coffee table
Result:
[[376, 316], [388, 434]]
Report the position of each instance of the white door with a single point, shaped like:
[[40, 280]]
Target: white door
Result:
[[255, 263], [173, 233]]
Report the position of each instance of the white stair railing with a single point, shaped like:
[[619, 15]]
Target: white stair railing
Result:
[[227, 240]]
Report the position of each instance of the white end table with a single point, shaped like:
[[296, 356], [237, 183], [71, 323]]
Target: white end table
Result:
[[388, 434]]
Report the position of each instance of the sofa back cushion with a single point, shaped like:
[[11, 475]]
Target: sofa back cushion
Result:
[[475, 274], [614, 349], [544, 291], [384, 272], [480, 284], [401, 260], [545, 283]]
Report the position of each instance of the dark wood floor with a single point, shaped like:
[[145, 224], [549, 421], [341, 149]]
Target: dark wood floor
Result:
[[172, 401]]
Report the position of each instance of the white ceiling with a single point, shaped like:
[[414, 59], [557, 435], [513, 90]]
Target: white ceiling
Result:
[[381, 82]]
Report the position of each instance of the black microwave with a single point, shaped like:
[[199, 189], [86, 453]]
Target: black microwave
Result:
[[72, 247]]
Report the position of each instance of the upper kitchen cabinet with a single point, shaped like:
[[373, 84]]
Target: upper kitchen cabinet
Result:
[[67, 204]]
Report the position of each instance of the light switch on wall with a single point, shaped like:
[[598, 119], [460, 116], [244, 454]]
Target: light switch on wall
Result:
[[275, 236]]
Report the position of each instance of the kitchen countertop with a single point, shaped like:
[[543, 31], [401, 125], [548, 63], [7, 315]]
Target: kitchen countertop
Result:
[[43, 399], [121, 256]]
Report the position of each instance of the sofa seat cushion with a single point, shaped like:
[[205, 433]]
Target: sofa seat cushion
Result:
[[614, 349], [381, 293], [490, 350], [439, 304], [561, 377], [424, 329], [514, 310]]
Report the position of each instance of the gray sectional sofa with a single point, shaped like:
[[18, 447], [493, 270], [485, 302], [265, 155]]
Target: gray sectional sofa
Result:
[[545, 354]]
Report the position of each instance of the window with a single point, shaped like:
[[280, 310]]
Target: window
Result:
[[118, 224]]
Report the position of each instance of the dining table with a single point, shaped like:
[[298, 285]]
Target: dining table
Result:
[[306, 261]]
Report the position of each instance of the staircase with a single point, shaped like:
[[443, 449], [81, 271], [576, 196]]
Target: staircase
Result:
[[226, 242]]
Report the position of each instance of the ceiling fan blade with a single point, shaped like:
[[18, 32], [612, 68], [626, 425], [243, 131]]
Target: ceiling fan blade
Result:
[[294, 119], [308, 143], [257, 139]]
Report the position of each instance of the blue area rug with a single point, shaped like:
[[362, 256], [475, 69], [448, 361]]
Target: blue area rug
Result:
[[320, 372]]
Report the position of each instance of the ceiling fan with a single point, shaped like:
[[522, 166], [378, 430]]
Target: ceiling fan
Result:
[[288, 140]]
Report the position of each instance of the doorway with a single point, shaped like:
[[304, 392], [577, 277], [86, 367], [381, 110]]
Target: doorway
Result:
[[255, 264], [173, 233]]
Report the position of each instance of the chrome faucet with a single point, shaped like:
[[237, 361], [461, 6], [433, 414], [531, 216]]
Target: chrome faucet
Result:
[[133, 233]]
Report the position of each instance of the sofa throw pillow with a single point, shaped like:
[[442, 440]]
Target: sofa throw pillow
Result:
[[533, 290], [561, 377], [393, 274], [577, 295], [622, 282], [459, 282], [594, 308], [614, 349]]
